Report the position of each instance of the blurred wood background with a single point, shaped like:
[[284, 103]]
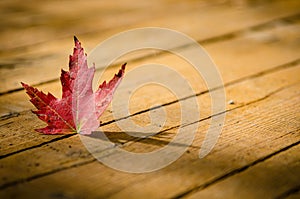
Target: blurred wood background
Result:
[[255, 45]]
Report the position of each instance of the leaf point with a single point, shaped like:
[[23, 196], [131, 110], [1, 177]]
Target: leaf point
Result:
[[75, 39], [79, 108]]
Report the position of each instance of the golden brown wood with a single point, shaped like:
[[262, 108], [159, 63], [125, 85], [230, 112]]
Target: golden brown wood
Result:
[[58, 153], [17, 101], [234, 150], [207, 20], [239, 55], [275, 177], [256, 47]]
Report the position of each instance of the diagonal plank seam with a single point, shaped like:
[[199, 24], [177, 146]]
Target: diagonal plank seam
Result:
[[268, 71], [13, 183], [10, 115], [37, 146], [289, 192], [217, 114], [224, 37], [238, 170]]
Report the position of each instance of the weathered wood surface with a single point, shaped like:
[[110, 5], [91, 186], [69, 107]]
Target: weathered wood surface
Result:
[[256, 48], [25, 53]]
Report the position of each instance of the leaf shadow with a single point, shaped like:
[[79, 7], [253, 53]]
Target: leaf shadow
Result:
[[160, 139]]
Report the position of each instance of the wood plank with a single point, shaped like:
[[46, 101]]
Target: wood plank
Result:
[[51, 55], [245, 131], [239, 53], [261, 129], [59, 155], [268, 179], [61, 20], [250, 138], [43, 20], [17, 133], [294, 195], [22, 125]]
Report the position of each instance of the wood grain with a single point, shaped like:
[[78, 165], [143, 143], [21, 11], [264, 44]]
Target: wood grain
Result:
[[245, 47], [53, 149], [20, 129], [271, 178], [255, 45], [188, 172], [51, 54]]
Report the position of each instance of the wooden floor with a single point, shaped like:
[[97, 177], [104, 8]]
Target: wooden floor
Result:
[[256, 46]]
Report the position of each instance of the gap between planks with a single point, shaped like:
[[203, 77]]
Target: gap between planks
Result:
[[237, 171], [290, 192]]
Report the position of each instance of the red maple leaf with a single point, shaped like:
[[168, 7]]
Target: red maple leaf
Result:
[[79, 108]]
